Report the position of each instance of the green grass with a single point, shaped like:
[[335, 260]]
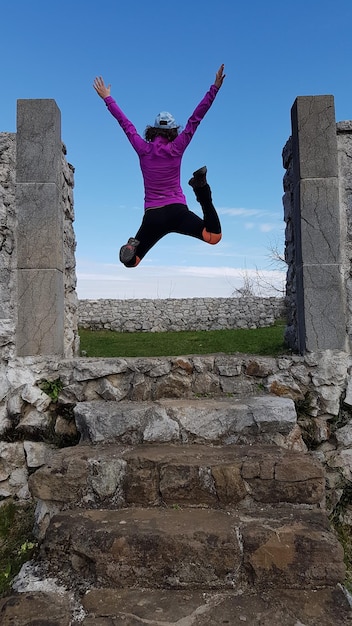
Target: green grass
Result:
[[17, 544], [261, 341]]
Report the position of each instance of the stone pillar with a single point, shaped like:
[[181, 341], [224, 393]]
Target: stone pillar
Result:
[[320, 305], [40, 259]]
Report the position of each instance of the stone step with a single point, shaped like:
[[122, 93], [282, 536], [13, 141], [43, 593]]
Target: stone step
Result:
[[265, 418], [234, 476], [193, 549], [138, 607]]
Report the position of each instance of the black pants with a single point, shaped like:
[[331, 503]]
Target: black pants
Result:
[[177, 218]]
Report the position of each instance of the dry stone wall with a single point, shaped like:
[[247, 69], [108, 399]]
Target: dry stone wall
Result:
[[317, 211], [9, 250], [344, 149], [8, 261], [33, 423], [71, 337], [179, 314]]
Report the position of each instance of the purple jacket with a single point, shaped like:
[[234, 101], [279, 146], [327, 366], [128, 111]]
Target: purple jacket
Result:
[[160, 160]]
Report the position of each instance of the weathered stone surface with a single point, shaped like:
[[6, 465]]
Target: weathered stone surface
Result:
[[15, 404], [283, 384], [260, 367], [179, 314], [35, 609], [157, 474], [341, 459], [65, 428], [64, 482], [194, 548], [161, 429], [87, 369], [121, 607], [314, 210], [293, 441], [226, 420], [284, 608], [44, 268], [348, 397], [35, 422], [4, 383], [135, 382], [106, 477], [105, 421], [36, 397], [37, 453], [174, 385], [272, 414], [5, 423], [288, 551], [40, 327], [13, 469], [344, 435]]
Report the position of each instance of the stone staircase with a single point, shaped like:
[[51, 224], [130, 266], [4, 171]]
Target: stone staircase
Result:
[[182, 512]]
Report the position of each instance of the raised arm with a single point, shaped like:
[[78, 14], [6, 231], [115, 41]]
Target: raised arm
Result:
[[181, 142], [129, 129], [102, 90], [219, 77]]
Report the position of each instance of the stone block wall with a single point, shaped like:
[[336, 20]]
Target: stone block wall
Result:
[[317, 199], [38, 300], [8, 260], [71, 337], [32, 424], [344, 150], [179, 314]]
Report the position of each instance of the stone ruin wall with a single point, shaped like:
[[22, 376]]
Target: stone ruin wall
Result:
[[71, 337], [8, 261], [344, 147], [318, 216], [31, 424], [179, 314], [29, 415], [8, 251]]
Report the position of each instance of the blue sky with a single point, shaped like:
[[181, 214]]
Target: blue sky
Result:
[[161, 55]]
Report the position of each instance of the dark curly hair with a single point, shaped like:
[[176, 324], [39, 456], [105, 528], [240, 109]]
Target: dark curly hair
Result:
[[169, 133]]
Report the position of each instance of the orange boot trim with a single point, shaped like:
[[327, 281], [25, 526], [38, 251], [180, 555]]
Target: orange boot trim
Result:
[[129, 267], [212, 238]]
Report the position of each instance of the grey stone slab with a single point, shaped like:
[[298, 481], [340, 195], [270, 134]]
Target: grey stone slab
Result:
[[40, 327], [116, 475], [326, 607], [314, 137], [135, 607], [40, 226], [320, 221], [344, 127], [189, 548], [194, 548], [199, 420], [324, 316], [38, 146]]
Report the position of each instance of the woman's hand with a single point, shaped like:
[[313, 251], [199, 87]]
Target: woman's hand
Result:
[[219, 78], [102, 90]]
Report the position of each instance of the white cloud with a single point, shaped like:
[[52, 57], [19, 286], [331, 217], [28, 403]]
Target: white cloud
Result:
[[117, 282], [266, 228], [240, 212]]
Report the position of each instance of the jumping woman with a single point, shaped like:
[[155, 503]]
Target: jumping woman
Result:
[[160, 155]]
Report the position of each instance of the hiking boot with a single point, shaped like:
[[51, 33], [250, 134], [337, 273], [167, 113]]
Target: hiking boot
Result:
[[199, 178], [128, 251]]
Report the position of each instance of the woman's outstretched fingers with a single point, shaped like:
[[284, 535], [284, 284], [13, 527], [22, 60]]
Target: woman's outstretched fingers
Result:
[[219, 78]]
